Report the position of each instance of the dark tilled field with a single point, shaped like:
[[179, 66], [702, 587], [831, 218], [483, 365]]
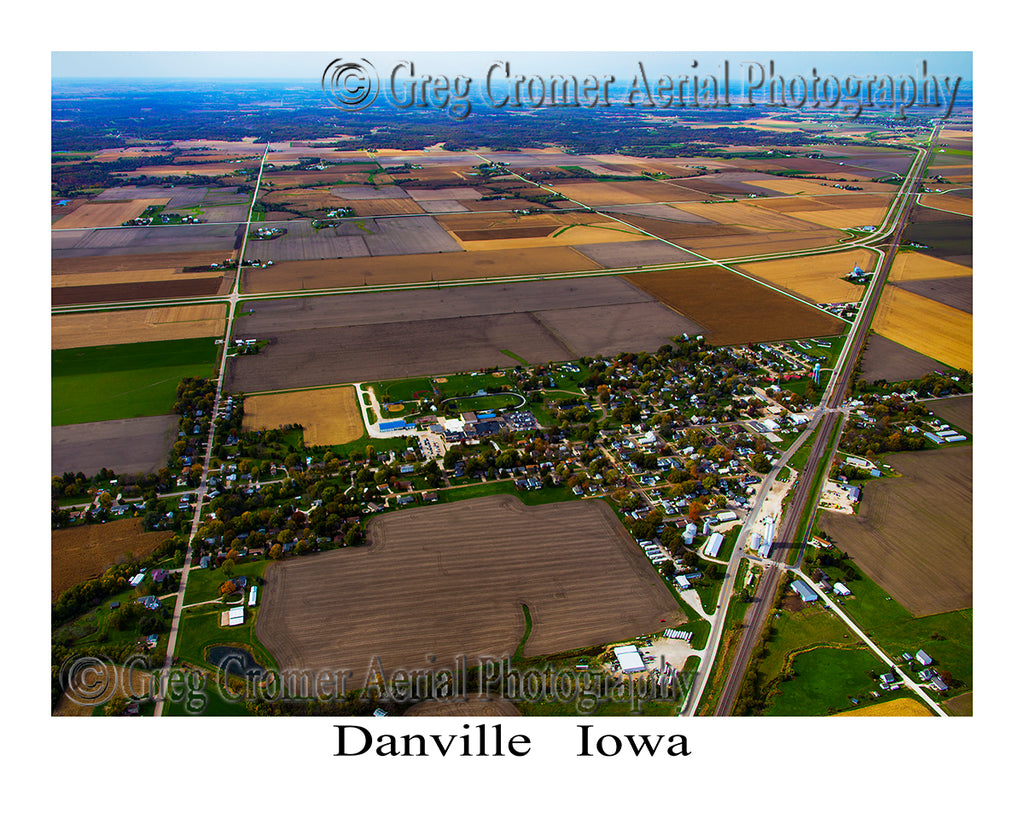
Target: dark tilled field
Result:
[[283, 315], [956, 292], [890, 361], [912, 535], [942, 234], [735, 310], [134, 291], [957, 411], [127, 446], [612, 329], [340, 355], [449, 581]]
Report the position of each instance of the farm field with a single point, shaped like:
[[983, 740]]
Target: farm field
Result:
[[634, 254], [136, 261], [101, 277], [105, 382], [889, 361], [957, 292], [328, 417], [959, 204], [121, 241], [272, 316], [902, 707], [747, 215], [137, 291], [452, 580], [957, 411], [380, 336], [129, 446], [734, 310], [420, 267], [83, 552], [961, 705], [816, 278], [105, 214], [69, 330], [910, 265], [929, 327], [912, 535], [472, 707], [943, 235]]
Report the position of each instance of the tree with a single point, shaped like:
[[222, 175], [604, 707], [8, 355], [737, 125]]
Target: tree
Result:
[[228, 567], [227, 587], [275, 551]]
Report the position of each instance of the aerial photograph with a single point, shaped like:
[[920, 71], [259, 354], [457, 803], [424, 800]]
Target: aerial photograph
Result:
[[537, 384]]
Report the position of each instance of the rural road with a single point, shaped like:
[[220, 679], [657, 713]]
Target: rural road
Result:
[[197, 518]]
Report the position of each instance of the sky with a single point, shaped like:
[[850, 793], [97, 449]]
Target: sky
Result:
[[290, 65]]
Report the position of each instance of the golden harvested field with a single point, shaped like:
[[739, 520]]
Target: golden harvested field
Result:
[[414, 267], [910, 265], [903, 707], [843, 217], [816, 278], [105, 214], [927, 326], [957, 204], [70, 330], [84, 552], [955, 133], [328, 417], [747, 215], [114, 154]]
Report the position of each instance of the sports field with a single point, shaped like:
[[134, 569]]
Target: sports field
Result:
[[124, 380], [328, 417]]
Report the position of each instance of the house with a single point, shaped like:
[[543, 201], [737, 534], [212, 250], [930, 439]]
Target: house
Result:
[[149, 602]]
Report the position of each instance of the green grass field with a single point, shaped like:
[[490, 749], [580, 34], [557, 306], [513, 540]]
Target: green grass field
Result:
[[124, 380], [824, 679]]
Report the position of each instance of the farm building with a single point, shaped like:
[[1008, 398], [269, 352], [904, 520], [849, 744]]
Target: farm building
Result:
[[682, 582], [252, 596], [714, 544], [807, 594], [236, 616], [629, 659], [841, 590], [923, 658], [725, 517]]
